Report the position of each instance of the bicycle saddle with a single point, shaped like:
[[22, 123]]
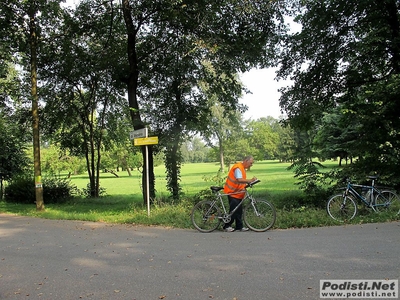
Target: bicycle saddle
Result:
[[216, 188]]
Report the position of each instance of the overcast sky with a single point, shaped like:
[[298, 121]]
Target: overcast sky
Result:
[[264, 100]]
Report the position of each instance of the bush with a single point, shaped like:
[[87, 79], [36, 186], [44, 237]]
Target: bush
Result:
[[55, 190], [87, 192], [316, 185]]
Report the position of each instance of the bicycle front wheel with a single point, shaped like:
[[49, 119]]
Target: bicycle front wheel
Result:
[[205, 216], [259, 215], [341, 208], [387, 201]]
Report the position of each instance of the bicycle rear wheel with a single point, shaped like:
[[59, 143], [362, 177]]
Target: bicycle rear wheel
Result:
[[205, 216], [387, 201], [259, 215], [341, 208]]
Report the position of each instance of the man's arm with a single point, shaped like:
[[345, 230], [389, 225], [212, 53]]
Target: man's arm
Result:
[[239, 177]]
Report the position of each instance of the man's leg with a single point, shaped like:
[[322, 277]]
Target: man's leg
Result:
[[232, 205], [237, 215]]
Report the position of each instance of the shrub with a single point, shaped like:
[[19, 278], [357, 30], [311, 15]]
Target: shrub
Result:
[[55, 190], [58, 190], [87, 192], [316, 185]]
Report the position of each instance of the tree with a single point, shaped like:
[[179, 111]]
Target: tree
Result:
[[194, 150], [33, 38], [222, 128], [230, 35], [23, 23], [347, 55], [83, 97], [263, 139], [13, 159], [336, 136], [286, 144]]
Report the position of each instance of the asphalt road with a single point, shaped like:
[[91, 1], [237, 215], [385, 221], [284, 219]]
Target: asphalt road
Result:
[[47, 259]]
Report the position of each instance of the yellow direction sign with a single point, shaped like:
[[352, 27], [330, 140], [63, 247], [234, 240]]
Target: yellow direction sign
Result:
[[151, 140]]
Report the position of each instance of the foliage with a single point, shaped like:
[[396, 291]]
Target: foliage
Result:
[[336, 137], [88, 193], [223, 128], [345, 64], [21, 189], [285, 151], [82, 95], [123, 207], [173, 49], [55, 161], [316, 185], [262, 138], [194, 150], [13, 159], [217, 179]]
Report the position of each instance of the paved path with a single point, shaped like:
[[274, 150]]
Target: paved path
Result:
[[47, 259]]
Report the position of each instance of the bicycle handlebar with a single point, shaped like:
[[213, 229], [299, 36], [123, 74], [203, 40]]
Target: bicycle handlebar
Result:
[[250, 184]]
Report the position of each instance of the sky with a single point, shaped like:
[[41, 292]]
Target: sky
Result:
[[264, 99]]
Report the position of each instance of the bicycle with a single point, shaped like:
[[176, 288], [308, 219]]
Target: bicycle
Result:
[[343, 207], [258, 215]]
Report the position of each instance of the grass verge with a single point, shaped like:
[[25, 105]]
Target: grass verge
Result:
[[125, 204], [123, 210]]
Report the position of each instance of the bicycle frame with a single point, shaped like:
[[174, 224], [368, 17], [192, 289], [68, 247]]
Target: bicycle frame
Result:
[[226, 216], [343, 207], [259, 215], [372, 193]]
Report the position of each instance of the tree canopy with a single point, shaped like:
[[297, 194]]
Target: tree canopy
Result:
[[346, 61]]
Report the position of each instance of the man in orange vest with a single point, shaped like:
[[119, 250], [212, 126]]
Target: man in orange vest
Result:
[[234, 186]]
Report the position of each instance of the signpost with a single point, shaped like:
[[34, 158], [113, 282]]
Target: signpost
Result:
[[140, 133], [152, 140], [140, 138]]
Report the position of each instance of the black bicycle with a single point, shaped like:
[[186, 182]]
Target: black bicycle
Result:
[[258, 215], [343, 207]]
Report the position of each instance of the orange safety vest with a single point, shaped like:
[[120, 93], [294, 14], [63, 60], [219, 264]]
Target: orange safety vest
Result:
[[231, 184]]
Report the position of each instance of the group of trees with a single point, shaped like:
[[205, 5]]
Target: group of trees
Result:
[[345, 65], [95, 71], [172, 60]]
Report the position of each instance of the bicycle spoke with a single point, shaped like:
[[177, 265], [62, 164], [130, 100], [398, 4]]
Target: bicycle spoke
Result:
[[387, 201], [259, 215], [341, 208], [205, 216]]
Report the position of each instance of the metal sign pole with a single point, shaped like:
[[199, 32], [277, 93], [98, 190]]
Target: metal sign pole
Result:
[[140, 138], [147, 181]]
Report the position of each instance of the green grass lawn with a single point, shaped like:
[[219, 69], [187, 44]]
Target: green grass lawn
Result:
[[274, 177], [123, 202]]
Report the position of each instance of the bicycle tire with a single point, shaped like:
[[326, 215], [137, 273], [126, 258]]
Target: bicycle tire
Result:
[[387, 201], [205, 216], [339, 210], [259, 215]]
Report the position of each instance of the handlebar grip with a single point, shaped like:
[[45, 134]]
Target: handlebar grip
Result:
[[254, 182]]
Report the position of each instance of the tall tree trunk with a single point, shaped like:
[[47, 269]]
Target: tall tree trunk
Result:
[[132, 83], [173, 163], [35, 109], [221, 156]]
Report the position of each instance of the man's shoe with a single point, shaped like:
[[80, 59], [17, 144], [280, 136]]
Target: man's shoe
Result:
[[229, 229], [243, 229]]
